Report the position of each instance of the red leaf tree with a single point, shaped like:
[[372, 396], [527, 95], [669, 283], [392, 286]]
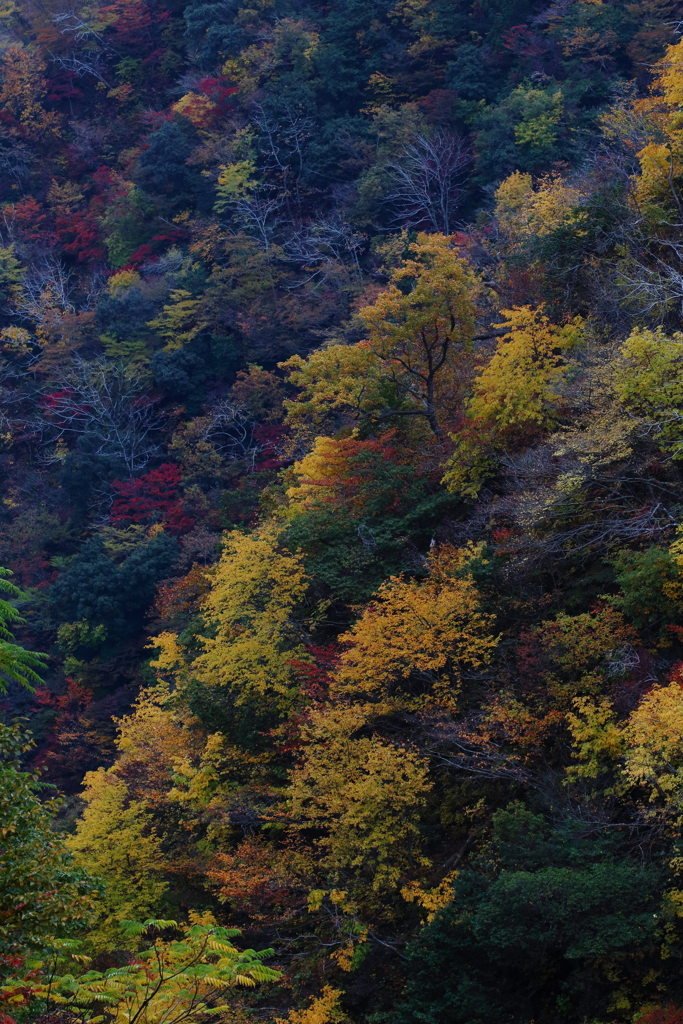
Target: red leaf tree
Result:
[[154, 497]]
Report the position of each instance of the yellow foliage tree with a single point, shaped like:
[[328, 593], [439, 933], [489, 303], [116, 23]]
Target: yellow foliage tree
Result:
[[321, 475], [250, 615], [24, 86], [525, 212], [518, 392], [116, 841], [323, 1009], [520, 385], [333, 379], [658, 187], [654, 746], [235, 183], [429, 630], [431, 900], [598, 738], [649, 383], [363, 793], [342, 472], [168, 756], [154, 741], [179, 321], [197, 108], [419, 335], [673, 588], [260, 392], [653, 737]]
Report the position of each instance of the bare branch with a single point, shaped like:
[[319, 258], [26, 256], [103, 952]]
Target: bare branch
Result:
[[108, 404], [428, 182]]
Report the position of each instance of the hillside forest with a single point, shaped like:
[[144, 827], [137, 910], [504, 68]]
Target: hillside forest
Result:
[[341, 518]]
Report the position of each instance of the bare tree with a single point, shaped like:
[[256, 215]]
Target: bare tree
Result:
[[282, 143], [73, 24], [91, 65], [88, 139], [15, 156], [230, 431], [107, 403], [168, 263], [650, 280], [427, 182], [323, 247], [255, 212], [46, 293]]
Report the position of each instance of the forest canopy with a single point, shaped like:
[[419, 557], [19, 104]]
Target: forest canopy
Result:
[[341, 534]]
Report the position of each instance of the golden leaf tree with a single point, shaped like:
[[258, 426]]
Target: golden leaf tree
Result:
[[416, 354], [422, 633], [516, 394]]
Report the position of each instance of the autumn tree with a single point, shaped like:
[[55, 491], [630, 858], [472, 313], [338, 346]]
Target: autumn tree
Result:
[[353, 502], [22, 93], [419, 336], [421, 632], [574, 655], [348, 474], [154, 496], [115, 841], [253, 626], [333, 380], [11, 276], [363, 794], [323, 1009], [648, 383], [526, 211], [260, 392], [153, 742], [45, 303], [518, 393], [658, 187], [519, 386], [653, 738]]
